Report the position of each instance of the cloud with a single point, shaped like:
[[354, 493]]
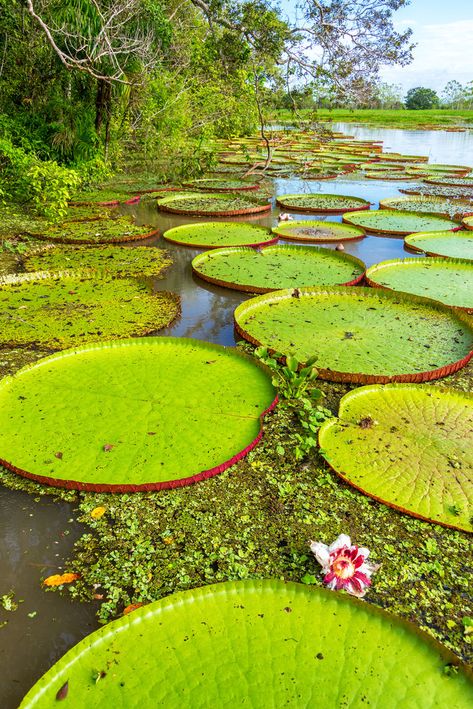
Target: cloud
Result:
[[443, 52]]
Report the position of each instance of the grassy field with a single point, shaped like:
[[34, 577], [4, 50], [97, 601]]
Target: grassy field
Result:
[[393, 119]]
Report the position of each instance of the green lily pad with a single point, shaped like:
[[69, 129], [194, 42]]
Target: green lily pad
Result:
[[321, 203], [214, 235], [427, 205], [451, 192], [89, 214], [60, 310], [207, 205], [442, 243], [358, 334], [408, 446], [455, 181], [274, 267], [220, 185], [101, 231], [117, 260], [395, 175], [14, 221], [448, 280], [256, 643], [386, 221], [139, 414], [317, 231]]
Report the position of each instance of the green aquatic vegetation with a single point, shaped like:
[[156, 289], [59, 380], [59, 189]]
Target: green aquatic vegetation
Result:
[[448, 280], [260, 639], [275, 267], [118, 260], [386, 221], [321, 202], [210, 183], [58, 310], [145, 413], [408, 446], [360, 335], [77, 214], [96, 232], [14, 221], [109, 196], [452, 181]]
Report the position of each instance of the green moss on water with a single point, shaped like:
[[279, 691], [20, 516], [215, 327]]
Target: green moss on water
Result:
[[255, 521]]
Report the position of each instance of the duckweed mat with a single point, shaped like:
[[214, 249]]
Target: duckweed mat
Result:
[[448, 280], [321, 203], [100, 231], [103, 198], [386, 221], [139, 414], [208, 205], [214, 235], [59, 310], [274, 267], [256, 643], [360, 335], [118, 260], [410, 447], [317, 231], [442, 243]]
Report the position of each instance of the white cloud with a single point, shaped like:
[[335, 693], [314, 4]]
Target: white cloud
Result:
[[443, 52]]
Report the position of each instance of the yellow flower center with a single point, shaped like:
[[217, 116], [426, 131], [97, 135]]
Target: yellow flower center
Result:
[[343, 568]]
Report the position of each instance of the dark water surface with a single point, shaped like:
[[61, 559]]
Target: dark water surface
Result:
[[36, 535]]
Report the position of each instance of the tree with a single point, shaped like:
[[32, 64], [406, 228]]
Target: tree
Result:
[[421, 98]]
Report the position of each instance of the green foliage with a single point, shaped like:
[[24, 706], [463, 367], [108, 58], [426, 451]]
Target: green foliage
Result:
[[291, 380], [421, 98]]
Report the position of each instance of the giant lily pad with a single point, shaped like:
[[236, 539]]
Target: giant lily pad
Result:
[[214, 235], [263, 270], [321, 203], [317, 231], [442, 243], [139, 414], [103, 198], [211, 184], [360, 335], [427, 205], [386, 221], [456, 181], [213, 204], [408, 446], [447, 280], [100, 231], [144, 261], [260, 644], [60, 310]]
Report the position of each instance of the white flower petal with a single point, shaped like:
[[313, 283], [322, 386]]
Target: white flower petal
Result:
[[321, 553], [364, 552], [342, 541]]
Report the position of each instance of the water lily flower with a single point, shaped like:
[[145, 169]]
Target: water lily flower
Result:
[[284, 217], [344, 565]]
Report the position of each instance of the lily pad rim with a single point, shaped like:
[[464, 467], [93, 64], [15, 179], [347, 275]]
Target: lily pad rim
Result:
[[360, 377], [431, 234], [346, 219], [144, 487], [360, 391]]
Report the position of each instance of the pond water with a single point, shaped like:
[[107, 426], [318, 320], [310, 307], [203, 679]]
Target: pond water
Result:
[[37, 534]]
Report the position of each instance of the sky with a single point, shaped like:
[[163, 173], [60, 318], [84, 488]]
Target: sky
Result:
[[443, 32]]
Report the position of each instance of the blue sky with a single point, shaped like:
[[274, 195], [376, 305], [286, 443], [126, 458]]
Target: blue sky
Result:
[[443, 31]]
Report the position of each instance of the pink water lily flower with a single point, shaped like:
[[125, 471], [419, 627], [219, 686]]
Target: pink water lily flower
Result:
[[344, 565]]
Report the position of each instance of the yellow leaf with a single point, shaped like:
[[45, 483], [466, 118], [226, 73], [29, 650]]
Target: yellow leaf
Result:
[[98, 512], [59, 579]]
